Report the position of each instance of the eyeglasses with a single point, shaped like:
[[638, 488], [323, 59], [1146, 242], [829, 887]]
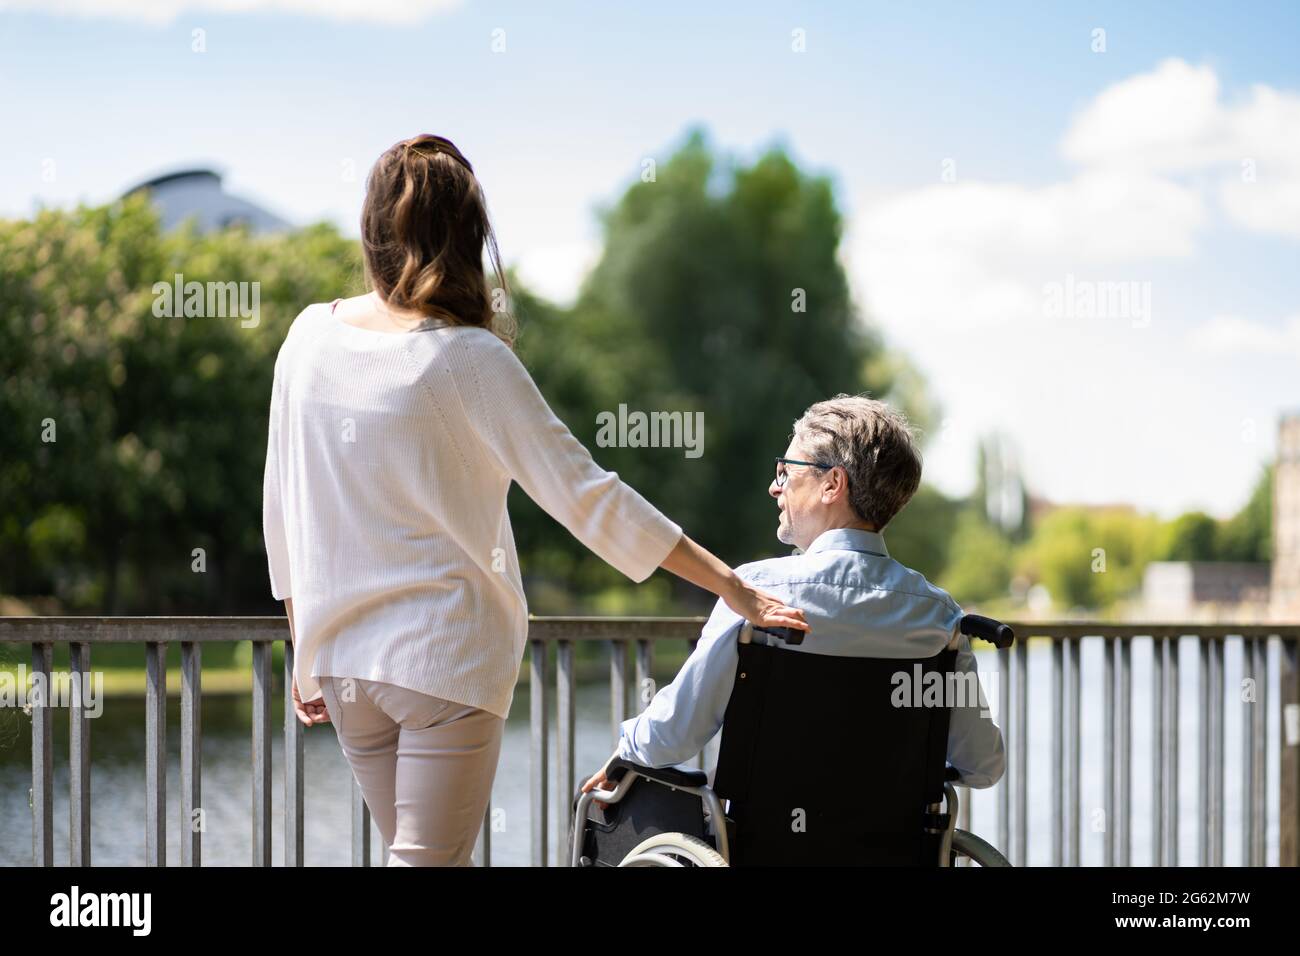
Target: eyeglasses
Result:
[[782, 475]]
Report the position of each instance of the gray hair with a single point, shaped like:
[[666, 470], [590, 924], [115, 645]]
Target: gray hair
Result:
[[873, 443]]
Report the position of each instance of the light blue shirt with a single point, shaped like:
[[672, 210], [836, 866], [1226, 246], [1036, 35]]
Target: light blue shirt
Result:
[[859, 602]]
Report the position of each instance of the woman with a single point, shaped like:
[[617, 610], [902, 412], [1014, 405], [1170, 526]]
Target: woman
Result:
[[398, 421]]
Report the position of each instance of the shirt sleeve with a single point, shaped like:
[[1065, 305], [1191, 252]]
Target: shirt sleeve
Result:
[[685, 715], [975, 747], [535, 449], [273, 527]]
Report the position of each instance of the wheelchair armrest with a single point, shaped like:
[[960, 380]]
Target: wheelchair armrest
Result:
[[677, 776]]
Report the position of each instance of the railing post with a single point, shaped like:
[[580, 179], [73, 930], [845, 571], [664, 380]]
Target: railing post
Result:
[[1215, 815], [566, 713], [1073, 753], [645, 689], [1021, 846], [1289, 776], [538, 681], [1210, 760], [1058, 751], [79, 747], [1256, 719], [1124, 829], [1157, 751], [293, 769], [1170, 801], [261, 753], [1108, 749], [617, 685], [42, 756], [1004, 785], [194, 817], [155, 755]]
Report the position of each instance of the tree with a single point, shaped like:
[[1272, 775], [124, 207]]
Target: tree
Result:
[[1248, 535], [139, 435], [1191, 537], [979, 566], [719, 291], [1090, 558]]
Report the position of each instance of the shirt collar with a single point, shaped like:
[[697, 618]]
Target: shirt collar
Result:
[[849, 539]]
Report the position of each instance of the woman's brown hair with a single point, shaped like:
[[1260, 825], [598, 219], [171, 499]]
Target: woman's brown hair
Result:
[[424, 225]]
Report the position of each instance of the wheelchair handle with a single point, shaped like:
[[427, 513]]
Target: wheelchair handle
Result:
[[790, 635], [987, 629]]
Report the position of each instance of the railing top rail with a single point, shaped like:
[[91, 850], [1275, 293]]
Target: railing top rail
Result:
[[139, 630]]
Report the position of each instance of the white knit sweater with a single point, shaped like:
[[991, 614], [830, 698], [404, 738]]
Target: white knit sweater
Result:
[[388, 460]]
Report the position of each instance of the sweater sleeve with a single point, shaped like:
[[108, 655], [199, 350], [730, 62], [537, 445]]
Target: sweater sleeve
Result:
[[535, 449], [273, 528]]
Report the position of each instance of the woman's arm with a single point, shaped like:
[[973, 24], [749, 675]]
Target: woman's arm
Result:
[[698, 565], [510, 416]]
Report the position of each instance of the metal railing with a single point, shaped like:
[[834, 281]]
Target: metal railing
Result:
[[640, 636]]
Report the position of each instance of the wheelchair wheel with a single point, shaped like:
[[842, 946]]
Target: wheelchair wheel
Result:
[[977, 852], [673, 849]]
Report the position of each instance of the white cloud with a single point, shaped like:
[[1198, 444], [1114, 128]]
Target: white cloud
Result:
[[1268, 205], [1173, 120], [555, 270], [1231, 334], [166, 11], [1104, 409], [1164, 120]]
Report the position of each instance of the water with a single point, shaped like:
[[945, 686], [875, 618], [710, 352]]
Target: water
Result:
[[118, 773]]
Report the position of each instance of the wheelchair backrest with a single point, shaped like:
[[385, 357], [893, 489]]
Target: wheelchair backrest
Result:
[[833, 760]]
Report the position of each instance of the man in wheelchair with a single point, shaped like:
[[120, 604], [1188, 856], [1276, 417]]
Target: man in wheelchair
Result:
[[835, 749]]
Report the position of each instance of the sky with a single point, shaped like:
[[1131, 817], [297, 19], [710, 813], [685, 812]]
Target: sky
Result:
[[1079, 222]]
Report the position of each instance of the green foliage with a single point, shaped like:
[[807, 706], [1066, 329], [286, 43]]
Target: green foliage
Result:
[[692, 308], [1191, 537], [1248, 535], [980, 562], [1088, 559], [923, 535], [158, 423]]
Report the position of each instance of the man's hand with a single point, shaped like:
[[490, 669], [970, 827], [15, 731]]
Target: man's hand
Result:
[[309, 713], [598, 780]]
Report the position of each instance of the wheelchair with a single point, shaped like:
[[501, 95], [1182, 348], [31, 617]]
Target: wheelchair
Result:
[[796, 794]]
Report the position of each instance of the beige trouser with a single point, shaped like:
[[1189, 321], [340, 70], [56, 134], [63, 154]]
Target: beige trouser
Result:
[[424, 764]]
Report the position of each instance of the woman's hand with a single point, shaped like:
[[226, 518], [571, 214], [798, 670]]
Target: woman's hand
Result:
[[763, 609], [309, 713], [695, 564]]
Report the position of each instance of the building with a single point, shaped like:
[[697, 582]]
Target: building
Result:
[[1260, 591], [198, 193], [1286, 521], [1190, 590]]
